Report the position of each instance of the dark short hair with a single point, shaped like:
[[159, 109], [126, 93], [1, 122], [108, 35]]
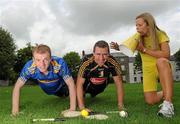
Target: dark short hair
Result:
[[101, 44]]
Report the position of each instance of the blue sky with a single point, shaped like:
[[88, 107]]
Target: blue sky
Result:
[[75, 25]]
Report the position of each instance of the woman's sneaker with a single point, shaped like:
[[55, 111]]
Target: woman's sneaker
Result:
[[166, 109]]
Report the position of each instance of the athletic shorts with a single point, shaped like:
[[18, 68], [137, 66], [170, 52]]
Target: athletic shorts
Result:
[[63, 91], [93, 89]]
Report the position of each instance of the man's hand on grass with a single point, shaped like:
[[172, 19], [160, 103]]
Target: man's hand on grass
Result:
[[15, 114]]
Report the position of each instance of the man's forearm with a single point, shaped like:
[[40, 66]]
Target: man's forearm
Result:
[[15, 101], [120, 101], [120, 95], [120, 92], [72, 95], [80, 98], [81, 103]]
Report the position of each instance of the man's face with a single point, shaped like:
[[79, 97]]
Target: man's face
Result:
[[100, 55], [42, 61]]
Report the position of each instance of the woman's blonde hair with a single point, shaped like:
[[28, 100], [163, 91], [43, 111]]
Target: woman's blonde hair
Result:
[[153, 28]]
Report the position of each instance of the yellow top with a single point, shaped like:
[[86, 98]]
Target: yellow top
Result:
[[150, 72], [148, 44]]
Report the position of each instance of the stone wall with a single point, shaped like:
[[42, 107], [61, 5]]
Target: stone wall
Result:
[[4, 82]]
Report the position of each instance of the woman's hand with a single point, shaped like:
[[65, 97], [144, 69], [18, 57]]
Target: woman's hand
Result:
[[140, 47], [114, 45]]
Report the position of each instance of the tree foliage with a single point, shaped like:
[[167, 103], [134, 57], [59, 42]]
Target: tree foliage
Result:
[[23, 55], [138, 62], [177, 58], [73, 62], [7, 54]]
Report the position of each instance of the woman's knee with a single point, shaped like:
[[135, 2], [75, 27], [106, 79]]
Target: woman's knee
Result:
[[149, 101], [151, 98], [162, 62]]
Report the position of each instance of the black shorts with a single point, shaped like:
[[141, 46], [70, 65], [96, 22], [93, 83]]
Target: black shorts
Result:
[[93, 89]]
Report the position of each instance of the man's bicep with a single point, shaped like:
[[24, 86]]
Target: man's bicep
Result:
[[69, 80], [80, 80], [117, 79], [115, 69], [19, 83], [64, 70]]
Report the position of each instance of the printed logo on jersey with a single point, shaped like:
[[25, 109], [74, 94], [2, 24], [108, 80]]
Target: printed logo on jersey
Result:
[[101, 72], [32, 68], [56, 66], [98, 81]]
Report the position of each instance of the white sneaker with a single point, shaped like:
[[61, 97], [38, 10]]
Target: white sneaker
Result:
[[166, 110]]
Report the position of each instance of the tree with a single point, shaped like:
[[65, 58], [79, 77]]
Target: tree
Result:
[[138, 62], [73, 62], [23, 55], [7, 54], [177, 58]]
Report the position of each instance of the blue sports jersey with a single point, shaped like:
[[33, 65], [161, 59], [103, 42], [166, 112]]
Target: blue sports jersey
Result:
[[58, 72]]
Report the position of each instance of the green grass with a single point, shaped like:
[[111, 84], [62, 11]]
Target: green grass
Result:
[[36, 104]]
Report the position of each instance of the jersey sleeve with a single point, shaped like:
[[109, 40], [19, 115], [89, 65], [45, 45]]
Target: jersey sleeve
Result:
[[26, 72], [84, 66], [115, 67], [134, 38], [163, 37], [82, 70], [64, 70]]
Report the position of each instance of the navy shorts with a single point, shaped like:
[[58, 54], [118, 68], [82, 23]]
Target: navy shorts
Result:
[[63, 91]]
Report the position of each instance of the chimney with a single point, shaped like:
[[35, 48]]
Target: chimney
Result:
[[83, 53]]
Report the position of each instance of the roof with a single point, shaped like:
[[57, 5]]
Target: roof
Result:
[[118, 54]]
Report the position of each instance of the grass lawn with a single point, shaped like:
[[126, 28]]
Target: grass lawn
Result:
[[36, 104]]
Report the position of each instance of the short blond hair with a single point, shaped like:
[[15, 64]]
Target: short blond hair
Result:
[[41, 48]]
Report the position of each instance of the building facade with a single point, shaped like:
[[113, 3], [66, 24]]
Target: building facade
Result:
[[131, 75]]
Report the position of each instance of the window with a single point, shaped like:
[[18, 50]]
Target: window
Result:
[[124, 78], [134, 71], [177, 77], [123, 67], [122, 59], [135, 79], [141, 79]]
